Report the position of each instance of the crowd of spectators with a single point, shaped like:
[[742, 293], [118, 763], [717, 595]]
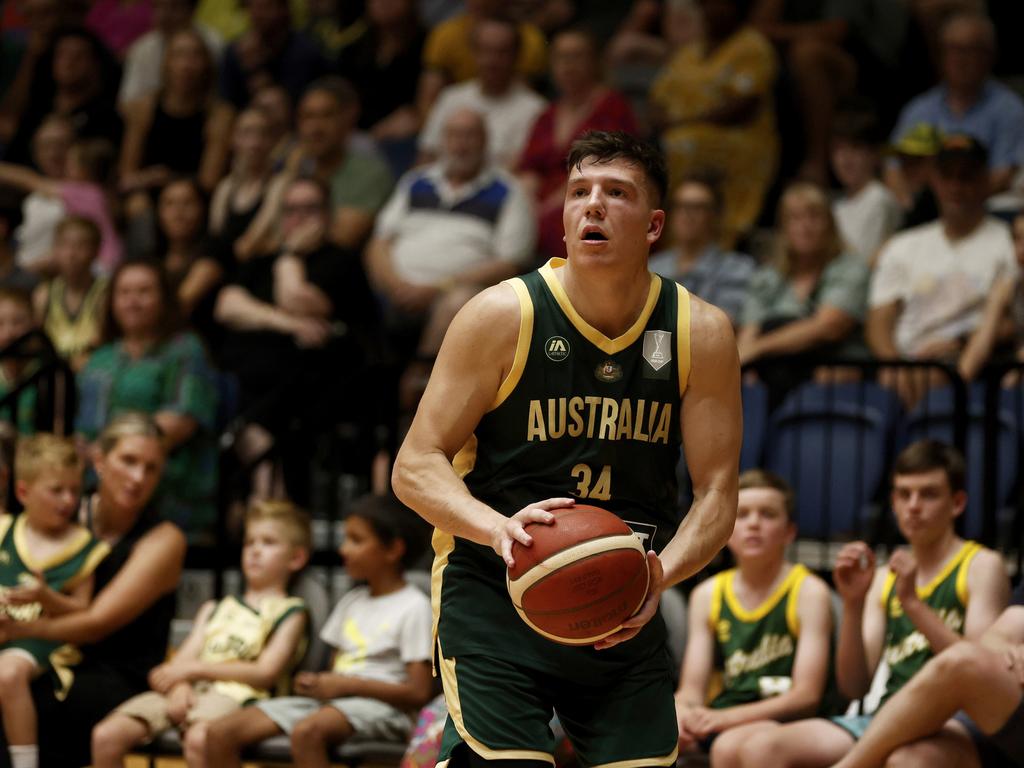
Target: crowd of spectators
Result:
[[273, 211]]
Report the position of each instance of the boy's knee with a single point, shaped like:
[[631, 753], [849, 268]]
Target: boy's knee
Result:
[[751, 751], [107, 739], [309, 732], [14, 673], [920, 754], [725, 751], [196, 737], [964, 661], [221, 733]]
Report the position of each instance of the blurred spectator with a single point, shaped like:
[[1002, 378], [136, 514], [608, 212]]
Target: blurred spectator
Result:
[[584, 103], [15, 321], [246, 201], [119, 23], [146, 364], [931, 283], [300, 327], [185, 251], [865, 210], [358, 178], [270, 51], [914, 155], [433, 12], [276, 104], [82, 191], [969, 101], [11, 275], [507, 104], [71, 306], [384, 65], [696, 260], [651, 32], [714, 106], [183, 129], [28, 64], [144, 63], [451, 55], [85, 79], [450, 230], [813, 297]]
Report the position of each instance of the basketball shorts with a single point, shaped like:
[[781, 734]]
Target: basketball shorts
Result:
[[150, 708], [1005, 747], [855, 725], [502, 711], [38, 650]]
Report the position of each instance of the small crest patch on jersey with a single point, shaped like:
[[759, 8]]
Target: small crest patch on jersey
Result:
[[556, 348], [608, 371], [658, 348]]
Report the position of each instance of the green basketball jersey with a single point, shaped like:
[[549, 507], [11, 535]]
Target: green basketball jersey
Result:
[[580, 415], [754, 649], [62, 572], [906, 650]]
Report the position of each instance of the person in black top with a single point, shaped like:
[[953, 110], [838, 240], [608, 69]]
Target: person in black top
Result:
[[301, 328]]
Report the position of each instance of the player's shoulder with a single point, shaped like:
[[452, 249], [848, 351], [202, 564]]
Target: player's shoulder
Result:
[[986, 563], [701, 595], [493, 310], [708, 323], [814, 591]]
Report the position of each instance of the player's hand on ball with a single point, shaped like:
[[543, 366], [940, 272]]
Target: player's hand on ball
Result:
[[631, 627], [513, 528]]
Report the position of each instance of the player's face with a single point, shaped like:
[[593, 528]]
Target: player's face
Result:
[[609, 213], [51, 500], [268, 555], [925, 505], [129, 472], [362, 551], [763, 528]]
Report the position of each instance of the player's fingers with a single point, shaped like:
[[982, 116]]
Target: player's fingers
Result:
[[534, 515], [506, 553], [557, 503]]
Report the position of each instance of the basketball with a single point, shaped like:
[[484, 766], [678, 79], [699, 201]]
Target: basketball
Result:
[[584, 575]]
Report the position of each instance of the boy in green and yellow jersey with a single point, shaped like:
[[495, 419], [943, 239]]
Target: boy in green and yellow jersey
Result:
[[759, 634], [46, 567], [931, 594]]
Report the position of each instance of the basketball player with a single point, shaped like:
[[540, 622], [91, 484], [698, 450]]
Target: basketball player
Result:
[[578, 381]]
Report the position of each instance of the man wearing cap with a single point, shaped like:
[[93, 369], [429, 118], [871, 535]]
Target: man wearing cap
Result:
[[914, 152], [929, 287], [967, 100]]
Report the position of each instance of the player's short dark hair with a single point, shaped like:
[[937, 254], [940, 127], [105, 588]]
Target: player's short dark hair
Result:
[[608, 146], [762, 478], [390, 520], [927, 455]]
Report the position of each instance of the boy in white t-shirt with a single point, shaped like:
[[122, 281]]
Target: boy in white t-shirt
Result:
[[379, 676], [866, 212]]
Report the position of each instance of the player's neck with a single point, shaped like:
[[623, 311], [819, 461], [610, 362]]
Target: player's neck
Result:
[[758, 577], [37, 534], [933, 554], [385, 583], [610, 298], [255, 594]]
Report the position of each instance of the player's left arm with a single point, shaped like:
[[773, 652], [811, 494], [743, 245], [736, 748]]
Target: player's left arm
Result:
[[988, 590], [810, 665], [712, 426], [53, 603]]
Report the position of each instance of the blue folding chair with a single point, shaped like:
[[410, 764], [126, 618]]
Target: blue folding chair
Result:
[[832, 443], [755, 424]]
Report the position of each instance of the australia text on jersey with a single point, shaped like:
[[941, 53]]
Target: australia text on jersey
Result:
[[602, 417]]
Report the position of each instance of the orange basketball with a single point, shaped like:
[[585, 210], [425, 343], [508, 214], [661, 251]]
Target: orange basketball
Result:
[[583, 576]]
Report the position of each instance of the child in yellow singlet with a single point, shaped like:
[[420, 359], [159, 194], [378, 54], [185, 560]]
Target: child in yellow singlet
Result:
[[15, 321], [71, 306], [927, 597], [237, 653], [46, 568], [759, 634]]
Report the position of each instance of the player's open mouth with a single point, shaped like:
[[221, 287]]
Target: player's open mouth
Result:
[[594, 235]]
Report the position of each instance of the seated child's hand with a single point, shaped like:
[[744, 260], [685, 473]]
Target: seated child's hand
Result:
[[180, 700], [31, 589], [317, 685], [165, 676]]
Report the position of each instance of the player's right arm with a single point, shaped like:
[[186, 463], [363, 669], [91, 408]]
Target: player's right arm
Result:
[[862, 625], [476, 356]]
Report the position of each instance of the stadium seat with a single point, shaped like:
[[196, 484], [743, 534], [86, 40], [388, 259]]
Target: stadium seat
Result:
[[755, 424], [935, 416], [832, 443]]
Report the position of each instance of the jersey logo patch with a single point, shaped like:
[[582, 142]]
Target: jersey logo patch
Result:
[[608, 371], [556, 348], [645, 532], [657, 354]]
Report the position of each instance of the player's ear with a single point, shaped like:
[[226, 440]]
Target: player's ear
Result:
[[655, 225]]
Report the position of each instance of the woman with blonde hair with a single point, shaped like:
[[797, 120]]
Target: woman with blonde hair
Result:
[[813, 296]]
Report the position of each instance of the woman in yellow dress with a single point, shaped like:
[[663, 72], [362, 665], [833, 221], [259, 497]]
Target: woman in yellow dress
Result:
[[714, 106]]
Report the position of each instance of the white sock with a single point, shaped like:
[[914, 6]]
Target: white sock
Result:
[[24, 756]]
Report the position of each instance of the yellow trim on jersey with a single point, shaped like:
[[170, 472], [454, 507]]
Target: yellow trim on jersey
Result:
[[962, 590], [669, 759], [76, 542], [94, 558], [589, 332], [465, 459], [451, 697], [966, 552], [522, 345], [683, 337], [715, 609], [443, 544], [796, 572], [5, 524], [793, 601]]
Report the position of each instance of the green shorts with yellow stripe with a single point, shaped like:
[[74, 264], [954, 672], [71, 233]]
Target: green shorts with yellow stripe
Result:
[[502, 711]]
